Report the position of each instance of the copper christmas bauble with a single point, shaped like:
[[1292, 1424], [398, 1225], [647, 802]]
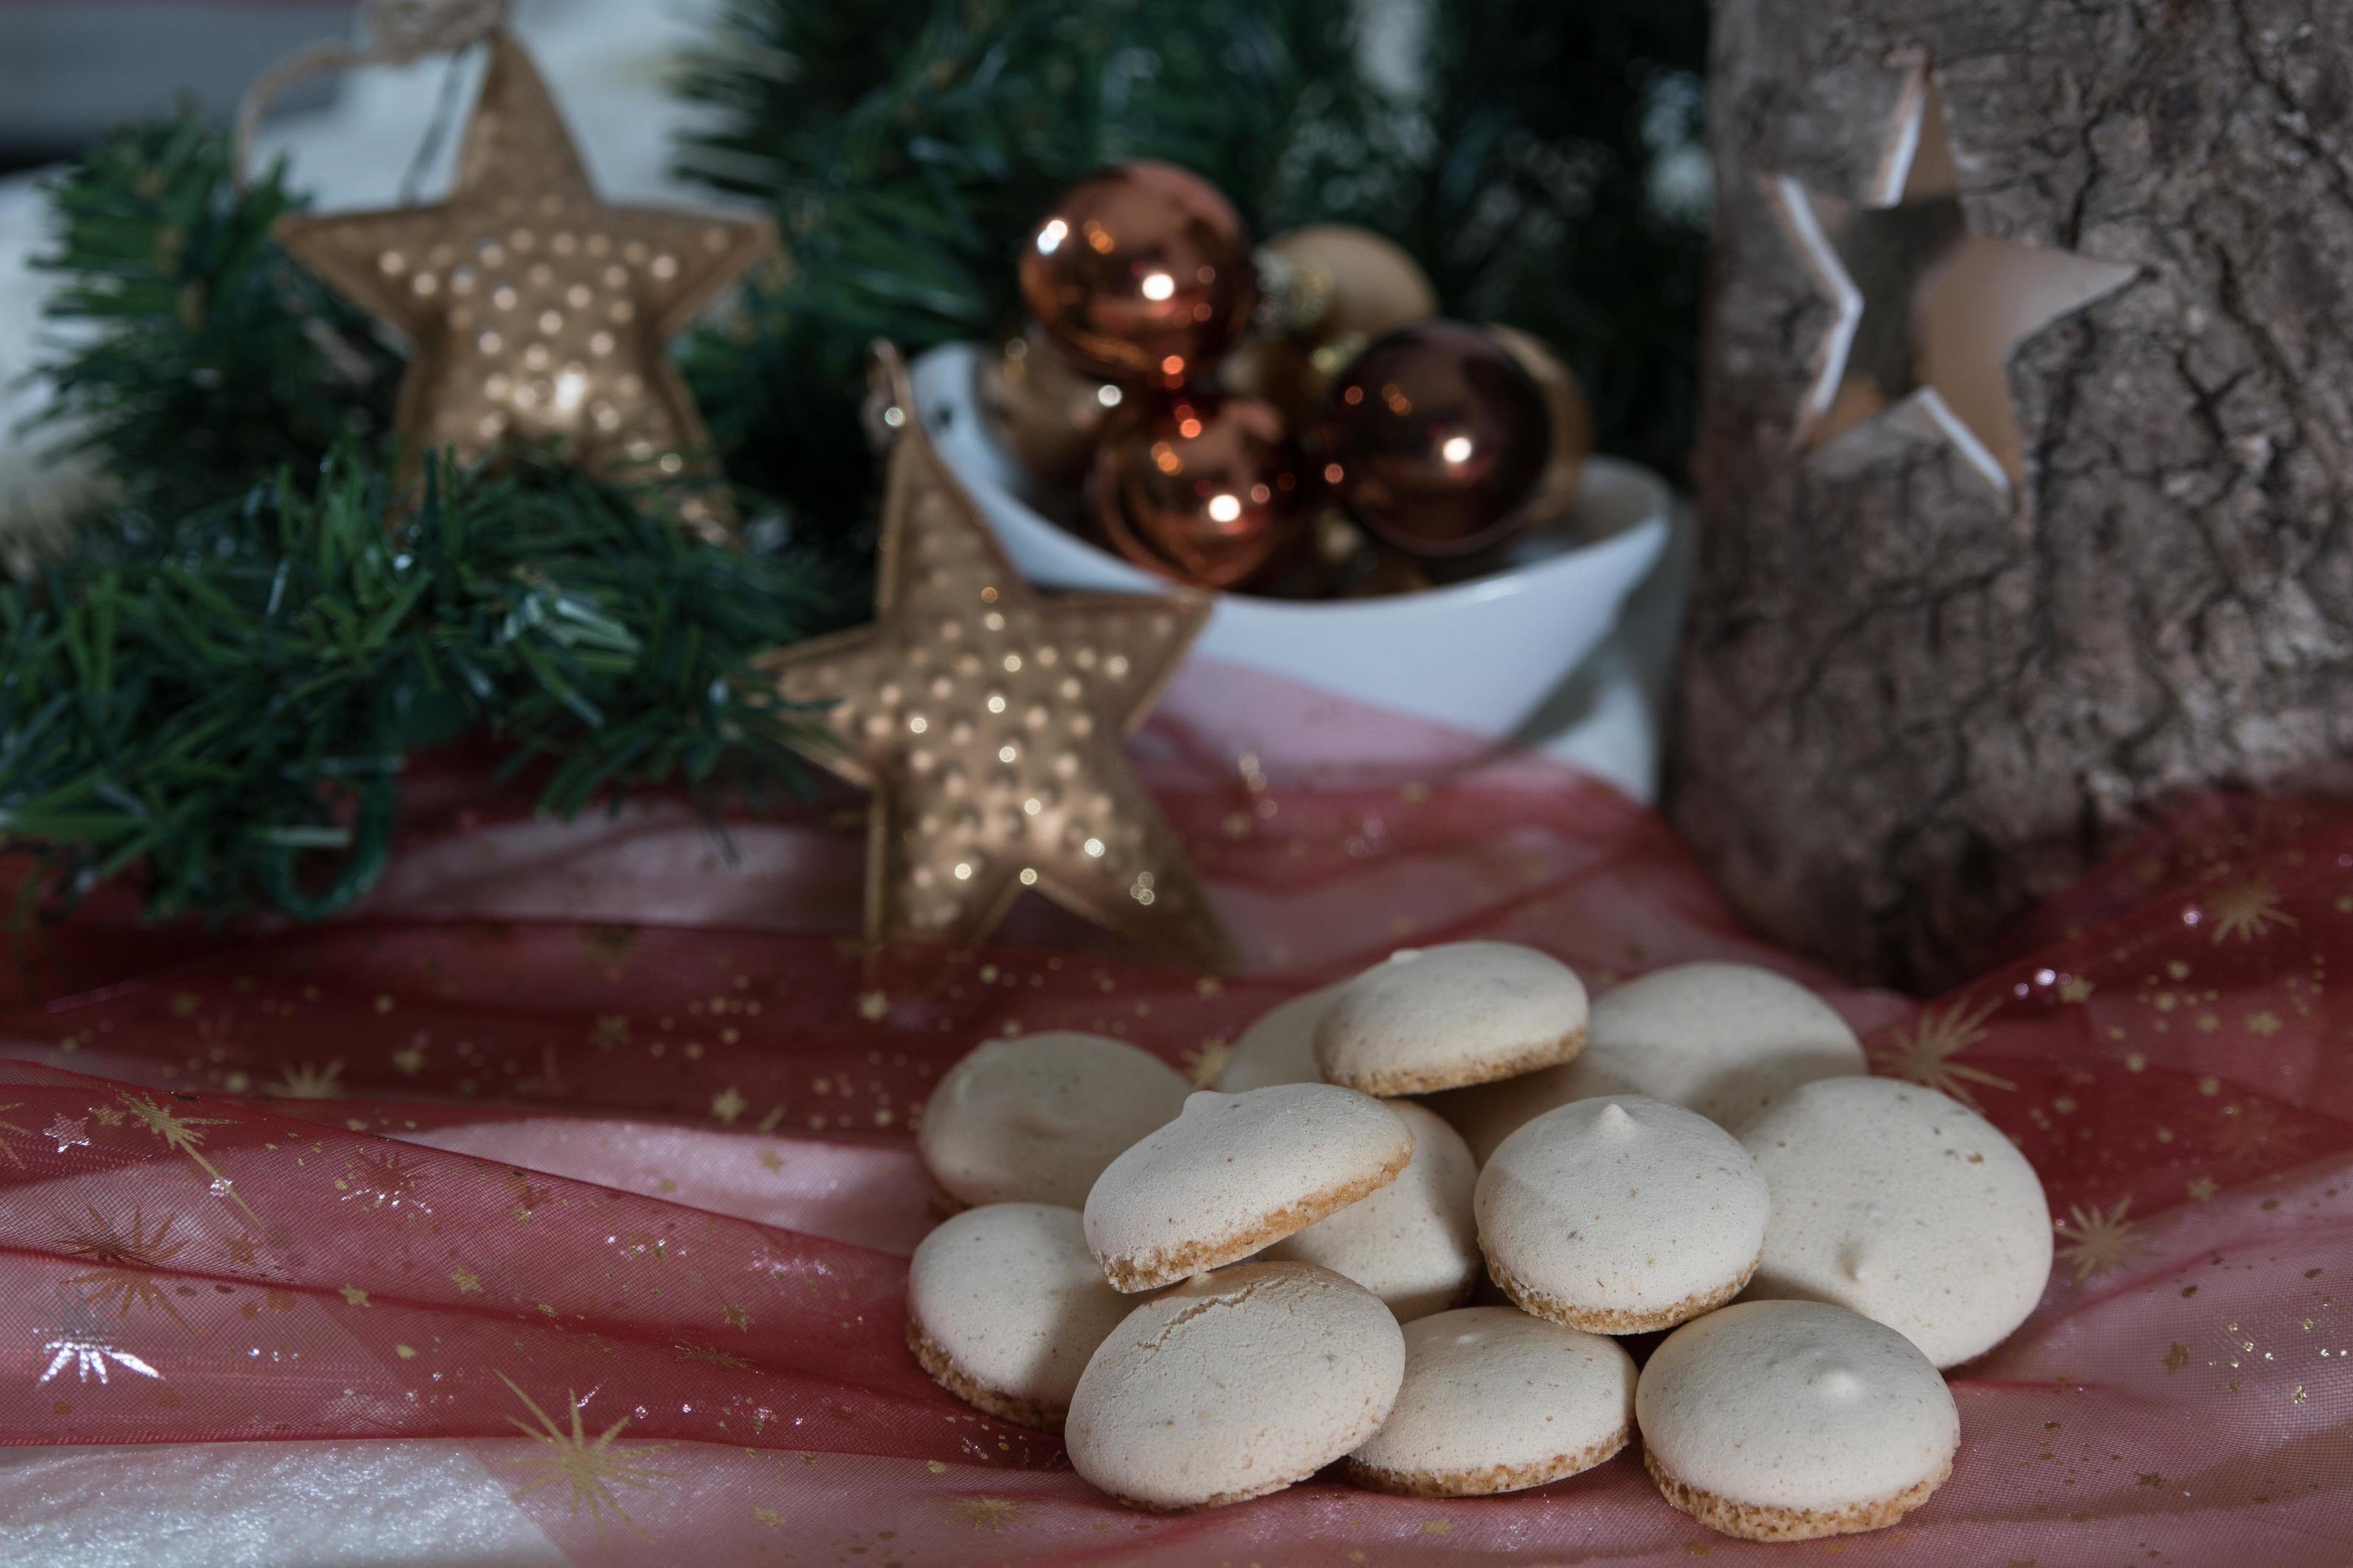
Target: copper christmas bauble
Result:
[[1435, 438], [1142, 272], [1333, 288], [1200, 486], [1044, 414], [1570, 426]]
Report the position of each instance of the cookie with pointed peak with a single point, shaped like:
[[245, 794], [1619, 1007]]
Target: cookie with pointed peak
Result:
[[1235, 1172], [1494, 1401], [1793, 1420], [1905, 1205], [1622, 1214], [1036, 1118], [1438, 1017], [1234, 1385]]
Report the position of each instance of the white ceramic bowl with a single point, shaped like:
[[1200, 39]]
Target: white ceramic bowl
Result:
[[1481, 655]]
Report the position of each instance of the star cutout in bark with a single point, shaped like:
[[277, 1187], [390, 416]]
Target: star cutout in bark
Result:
[[1928, 310], [989, 721], [535, 309]]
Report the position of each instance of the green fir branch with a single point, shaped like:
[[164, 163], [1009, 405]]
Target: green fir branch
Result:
[[211, 704], [188, 353]]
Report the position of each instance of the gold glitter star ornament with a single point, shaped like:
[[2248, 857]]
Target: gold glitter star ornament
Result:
[[990, 724], [534, 311]]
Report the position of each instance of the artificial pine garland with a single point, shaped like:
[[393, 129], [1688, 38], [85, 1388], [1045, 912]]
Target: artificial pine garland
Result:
[[213, 699]]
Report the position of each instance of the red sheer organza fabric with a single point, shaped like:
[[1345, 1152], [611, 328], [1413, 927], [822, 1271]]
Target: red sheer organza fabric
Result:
[[589, 1146]]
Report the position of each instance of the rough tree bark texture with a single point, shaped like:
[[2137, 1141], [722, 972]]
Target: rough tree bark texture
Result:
[[1911, 704]]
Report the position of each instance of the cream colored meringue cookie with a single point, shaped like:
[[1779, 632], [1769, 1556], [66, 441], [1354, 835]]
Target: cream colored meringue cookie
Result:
[[1005, 1304], [1280, 1046], [1620, 1214], [1035, 1119], [1723, 1039], [1236, 1172], [1437, 1017], [1790, 1420], [1234, 1385], [1493, 1401], [1905, 1205], [1413, 1243]]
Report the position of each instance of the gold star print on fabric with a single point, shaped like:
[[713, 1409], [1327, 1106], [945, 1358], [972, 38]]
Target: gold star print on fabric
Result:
[[9, 1129], [1205, 1062], [127, 1259], [587, 1468], [990, 722], [2245, 909], [306, 1080], [67, 1131], [1924, 1055], [2176, 1357], [2099, 1242], [986, 1512], [180, 1135], [534, 310], [1928, 311]]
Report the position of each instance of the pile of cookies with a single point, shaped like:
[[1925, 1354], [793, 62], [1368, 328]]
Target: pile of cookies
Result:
[[1216, 1294]]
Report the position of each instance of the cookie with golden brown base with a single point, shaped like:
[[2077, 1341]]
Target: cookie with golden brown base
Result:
[[1232, 1385], [1790, 1420], [1438, 1017], [1493, 1401], [1004, 1305], [1236, 1172], [1620, 1214]]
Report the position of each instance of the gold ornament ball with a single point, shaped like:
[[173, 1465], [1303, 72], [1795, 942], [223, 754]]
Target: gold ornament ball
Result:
[[1334, 287], [1571, 422], [1047, 415], [1376, 286]]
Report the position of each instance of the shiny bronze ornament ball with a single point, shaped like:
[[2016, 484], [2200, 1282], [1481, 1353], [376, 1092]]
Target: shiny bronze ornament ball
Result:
[[1435, 439], [1330, 289], [1571, 422], [1199, 486], [1141, 272], [1047, 415]]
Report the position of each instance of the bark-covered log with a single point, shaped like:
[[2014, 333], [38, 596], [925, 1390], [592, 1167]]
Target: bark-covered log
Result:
[[1912, 703]]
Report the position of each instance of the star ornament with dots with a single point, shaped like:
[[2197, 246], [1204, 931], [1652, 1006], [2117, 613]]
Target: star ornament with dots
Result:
[[534, 311], [990, 724], [1928, 311]]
